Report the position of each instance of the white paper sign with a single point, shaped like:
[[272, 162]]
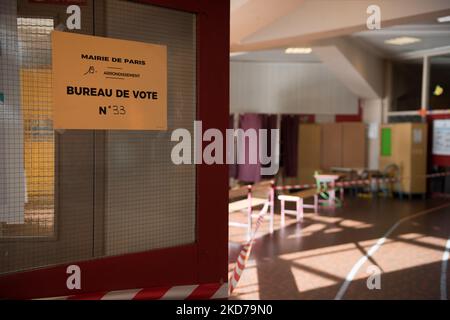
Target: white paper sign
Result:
[[441, 137], [417, 136], [373, 131]]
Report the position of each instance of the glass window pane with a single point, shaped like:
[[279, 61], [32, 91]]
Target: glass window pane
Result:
[[27, 208], [440, 82], [406, 85], [150, 202]]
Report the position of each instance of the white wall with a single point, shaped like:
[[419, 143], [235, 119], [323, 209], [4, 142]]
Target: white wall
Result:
[[309, 88], [357, 68], [372, 115]]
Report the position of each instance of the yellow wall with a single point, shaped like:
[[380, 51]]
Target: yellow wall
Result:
[[38, 133]]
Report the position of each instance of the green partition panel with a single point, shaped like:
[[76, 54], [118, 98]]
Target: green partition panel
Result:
[[386, 142]]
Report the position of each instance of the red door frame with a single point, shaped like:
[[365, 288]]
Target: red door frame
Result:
[[205, 261]]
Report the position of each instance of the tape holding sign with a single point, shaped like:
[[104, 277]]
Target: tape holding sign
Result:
[[102, 83]]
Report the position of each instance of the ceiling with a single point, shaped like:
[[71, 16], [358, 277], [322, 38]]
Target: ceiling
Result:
[[275, 55], [432, 35], [261, 30]]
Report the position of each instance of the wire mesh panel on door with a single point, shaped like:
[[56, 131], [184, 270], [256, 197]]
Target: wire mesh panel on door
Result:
[[74, 195], [46, 177], [150, 202]]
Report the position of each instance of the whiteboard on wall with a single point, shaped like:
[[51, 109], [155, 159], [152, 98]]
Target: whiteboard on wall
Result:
[[441, 137]]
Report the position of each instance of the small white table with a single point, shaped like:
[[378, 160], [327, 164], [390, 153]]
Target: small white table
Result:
[[298, 198]]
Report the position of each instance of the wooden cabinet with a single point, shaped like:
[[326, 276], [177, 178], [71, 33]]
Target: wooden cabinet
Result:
[[405, 144], [343, 145], [331, 145], [354, 145], [309, 137], [323, 146]]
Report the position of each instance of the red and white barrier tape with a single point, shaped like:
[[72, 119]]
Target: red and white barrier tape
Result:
[[212, 290], [209, 291], [246, 249], [358, 182], [245, 252], [439, 174], [338, 184]]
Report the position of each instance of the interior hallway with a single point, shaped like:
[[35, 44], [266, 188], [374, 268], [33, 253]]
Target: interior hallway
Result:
[[311, 260]]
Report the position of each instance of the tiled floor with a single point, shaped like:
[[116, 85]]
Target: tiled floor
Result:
[[311, 260]]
